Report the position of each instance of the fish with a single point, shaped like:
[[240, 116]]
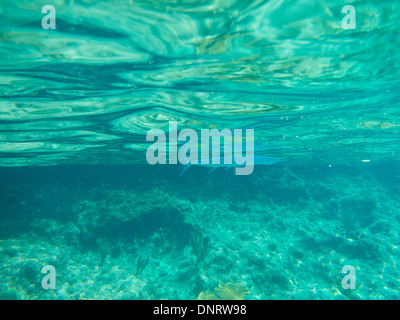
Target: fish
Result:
[[258, 160]]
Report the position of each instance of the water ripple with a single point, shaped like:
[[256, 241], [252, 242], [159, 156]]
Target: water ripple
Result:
[[89, 91]]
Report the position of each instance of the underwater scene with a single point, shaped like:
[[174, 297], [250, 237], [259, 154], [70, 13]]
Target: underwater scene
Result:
[[199, 150]]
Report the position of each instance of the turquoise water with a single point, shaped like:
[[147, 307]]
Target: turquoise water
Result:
[[77, 191]]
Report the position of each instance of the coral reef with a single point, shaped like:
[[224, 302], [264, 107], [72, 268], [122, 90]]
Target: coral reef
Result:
[[226, 291], [201, 237]]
